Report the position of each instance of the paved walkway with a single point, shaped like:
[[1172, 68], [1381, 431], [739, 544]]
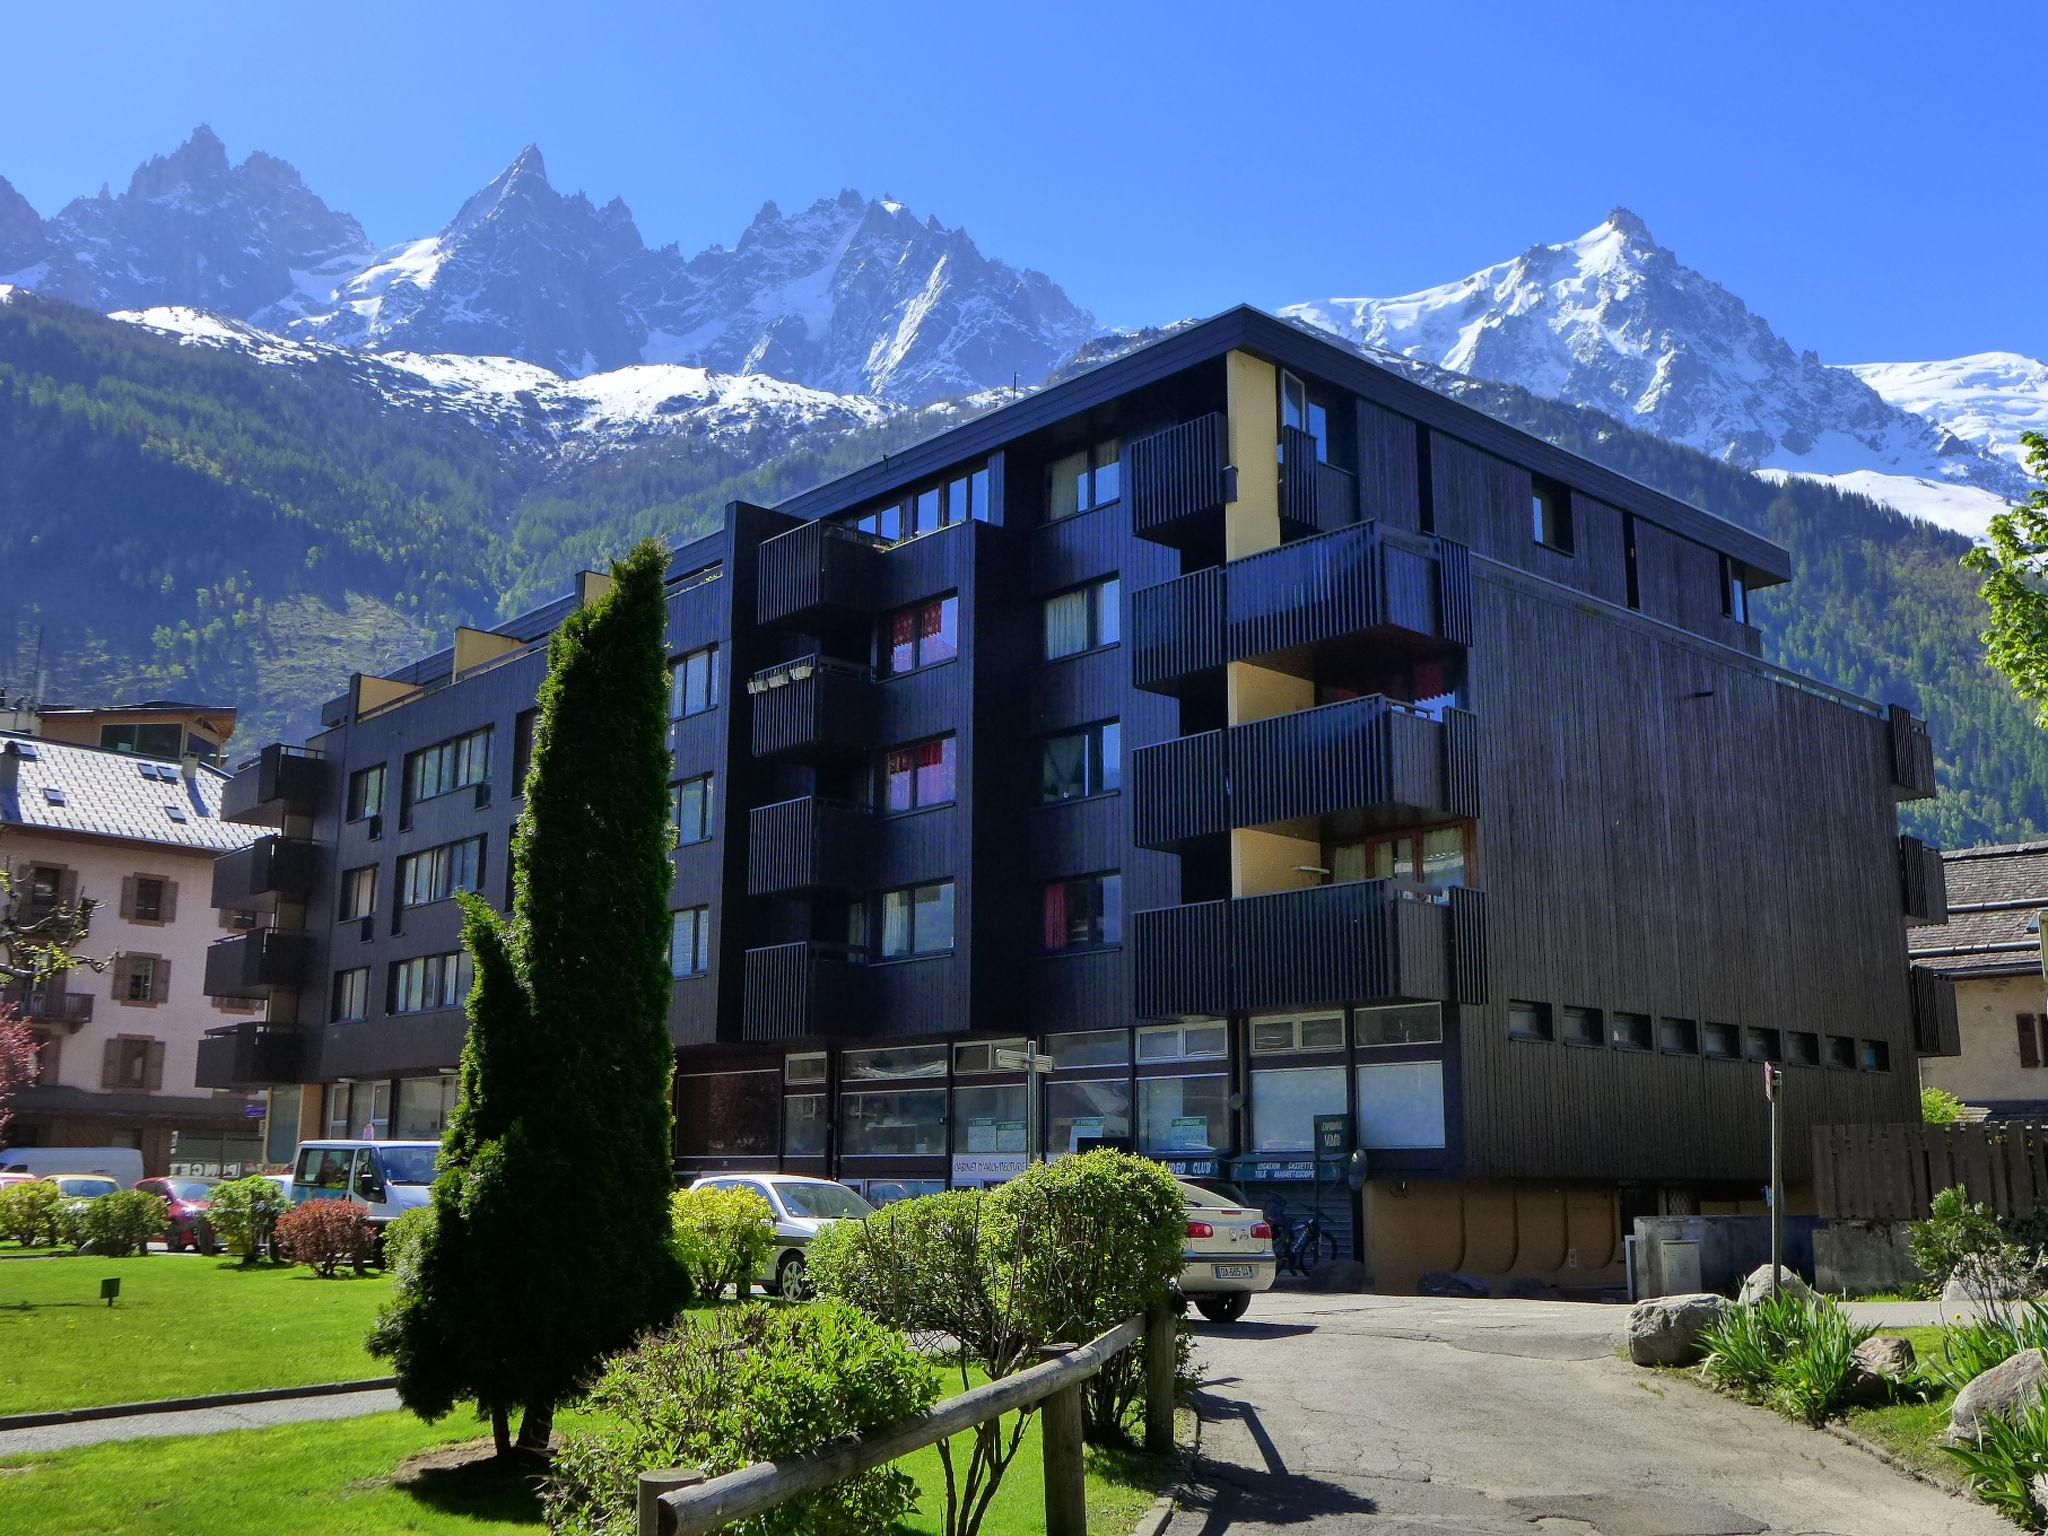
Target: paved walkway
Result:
[[1419, 1417], [197, 1421]]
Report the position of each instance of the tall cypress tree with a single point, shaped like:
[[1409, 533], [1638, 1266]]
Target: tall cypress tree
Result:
[[550, 1247]]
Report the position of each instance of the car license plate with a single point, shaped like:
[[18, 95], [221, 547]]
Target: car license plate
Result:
[[1233, 1271]]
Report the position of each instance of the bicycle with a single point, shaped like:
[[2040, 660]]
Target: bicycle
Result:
[[1299, 1245]]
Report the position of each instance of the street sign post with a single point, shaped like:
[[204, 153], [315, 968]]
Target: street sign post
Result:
[[1774, 1082], [1034, 1064]]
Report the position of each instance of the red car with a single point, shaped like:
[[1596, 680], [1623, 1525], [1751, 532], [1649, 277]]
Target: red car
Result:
[[188, 1200]]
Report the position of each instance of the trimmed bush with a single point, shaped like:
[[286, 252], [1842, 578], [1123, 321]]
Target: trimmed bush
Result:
[[32, 1212], [722, 1236], [746, 1384], [405, 1236], [326, 1234], [1793, 1353], [1961, 1241], [119, 1224], [245, 1212]]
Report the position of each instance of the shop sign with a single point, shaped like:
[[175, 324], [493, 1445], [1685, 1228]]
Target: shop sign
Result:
[[971, 1169]]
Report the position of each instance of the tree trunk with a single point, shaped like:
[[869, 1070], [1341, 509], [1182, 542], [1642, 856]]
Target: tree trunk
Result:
[[501, 1433], [536, 1427]]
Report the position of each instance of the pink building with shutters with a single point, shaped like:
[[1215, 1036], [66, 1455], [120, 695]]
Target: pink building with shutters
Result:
[[120, 1041]]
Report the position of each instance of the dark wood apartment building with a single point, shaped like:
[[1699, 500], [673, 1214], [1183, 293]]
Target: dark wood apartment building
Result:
[[1257, 734]]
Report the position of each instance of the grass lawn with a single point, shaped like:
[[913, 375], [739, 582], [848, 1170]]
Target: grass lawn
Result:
[[182, 1326], [1911, 1431], [336, 1479]]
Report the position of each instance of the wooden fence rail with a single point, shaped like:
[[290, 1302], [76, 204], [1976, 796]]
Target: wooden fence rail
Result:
[[1893, 1172], [681, 1502]]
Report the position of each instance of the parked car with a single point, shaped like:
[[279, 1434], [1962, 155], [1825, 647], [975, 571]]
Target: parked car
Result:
[[122, 1164], [800, 1207], [187, 1200], [1228, 1256], [385, 1179]]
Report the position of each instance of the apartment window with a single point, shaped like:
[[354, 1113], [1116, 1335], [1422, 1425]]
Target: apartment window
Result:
[[1720, 1041], [696, 807], [45, 890], [159, 740], [689, 944], [1287, 1033], [1090, 478], [352, 993], [1734, 592], [917, 775], [1076, 764], [1841, 1052], [1629, 1031], [920, 636], [430, 981], [693, 683], [1189, 1040], [142, 978], [1402, 1024], [2029, 1041], [366, 792], [358, 892], [1083, 619], [1550, 516], [522, 748], [1095, 1047], [956, 499], [448, 766], [1802, 1048], [1678, 1037], [917, 921], [148, 902], [1874, 1056], [1764, 1044], [1085, 912], [1299, 411], [1580, 1026], [1529, 1021], [435, 874], [133, 1063], [1435, 858]]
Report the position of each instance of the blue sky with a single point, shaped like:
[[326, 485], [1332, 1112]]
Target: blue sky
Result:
[[1863, 175]]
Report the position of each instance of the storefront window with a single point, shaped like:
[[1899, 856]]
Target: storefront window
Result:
[[423, 1107], [359, 1110], [1286, 1101], [1075, 1112], [281, 1131], [1401, 1105], [803, 1125], [211, 1155], [894, 1062], [728, 1114], [1405, 1024], [1184, 1114], [899, 1123], [1091, 1048], [806, 1068], [987, 1120]]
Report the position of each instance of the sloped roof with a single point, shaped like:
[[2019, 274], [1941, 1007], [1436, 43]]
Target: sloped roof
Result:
[[92, 792], [1996, 895]]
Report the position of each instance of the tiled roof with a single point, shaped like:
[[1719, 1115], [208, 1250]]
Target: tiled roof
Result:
[[59, 787], [1996, 896]]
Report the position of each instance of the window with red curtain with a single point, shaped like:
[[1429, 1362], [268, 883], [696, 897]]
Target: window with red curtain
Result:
[[1056, 936]]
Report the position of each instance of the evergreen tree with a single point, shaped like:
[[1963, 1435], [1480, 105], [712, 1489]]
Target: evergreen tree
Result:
[[550, 1244]]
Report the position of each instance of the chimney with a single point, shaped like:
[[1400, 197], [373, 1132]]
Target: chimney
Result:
[[191, 766], [10, 768]]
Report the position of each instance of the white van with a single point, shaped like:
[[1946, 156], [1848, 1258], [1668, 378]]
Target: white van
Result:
[[123, 1164], [384, 1179]]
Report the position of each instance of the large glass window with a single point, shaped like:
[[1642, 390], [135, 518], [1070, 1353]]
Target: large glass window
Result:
[[1075, 764], [1089, 478], [803, 1125], [434, 874], [1286, 1101], [689, 947], [1083, 619], [920, 636], [1304, 413], [448, 766], [430, 981], [1083, 913], [893, 1062], [1184, 1114], [1074, 1112], [918, 921], [728, 1114], [1090, 1048], [693, 683], [914, 776], [1436, 859], [358, 892], [366, 792], [989, 1119], [696, 808], [953, 500], [900, 1122], [1401, 1105], [352, 993], [1402, 1024], [424, 1104]]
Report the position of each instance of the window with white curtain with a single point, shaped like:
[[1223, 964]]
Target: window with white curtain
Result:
[[1083, 619]]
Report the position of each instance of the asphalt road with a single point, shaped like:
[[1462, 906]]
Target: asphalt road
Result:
[[1401, 1416]]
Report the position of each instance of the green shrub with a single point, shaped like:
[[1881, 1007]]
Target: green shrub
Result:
[[723, 1237], [1970, 1349], [1940, 1107], [404, 1236], [1964, 1241], [2003, 1458], [326, 1234], [746, 1384], [32, 1212], [119, 1224], [245, 1212], [1791, 1352]]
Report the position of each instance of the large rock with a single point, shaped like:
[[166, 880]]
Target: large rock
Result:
[[2007, 1388], [1959, 1292], [1665, 1330], [1758, 1285], [1445, 1282], [1881, 1364]]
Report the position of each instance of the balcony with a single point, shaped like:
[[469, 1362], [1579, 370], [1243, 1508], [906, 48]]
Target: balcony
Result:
[[248, 1055], [1935, 1030], [257, 963], [815, 706], [1361, 942], [809, 844], [1923, 883], [1179, 483], [49, 1004], [797, 991], [277, 782], [270, 870], [1315, 496], [1386, 760], [1912, 756], [820, 571], [1360, 586]]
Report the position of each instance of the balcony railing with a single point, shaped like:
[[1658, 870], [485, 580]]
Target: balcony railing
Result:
[[1923, 882], [251, 1054], [1912, 756], [1315, 496], [280, 780], [1360, 942], [808, 844], [257, 963], [1179, 482], [48, 1005], [820, 568], [809, 988], [269, 870], [815, 704], [1935, 1028]]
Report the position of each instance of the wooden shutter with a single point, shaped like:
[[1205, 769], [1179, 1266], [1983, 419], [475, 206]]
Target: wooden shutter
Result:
[[67, 887], [128, 896], [2030, 1050], [169, 910], [160, 981], [153, 1071], [110, 1064]]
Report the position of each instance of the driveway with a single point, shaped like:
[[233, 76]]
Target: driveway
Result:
[[1405, 1416]]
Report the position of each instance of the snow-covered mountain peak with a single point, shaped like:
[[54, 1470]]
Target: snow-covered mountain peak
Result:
[[1986, 399]]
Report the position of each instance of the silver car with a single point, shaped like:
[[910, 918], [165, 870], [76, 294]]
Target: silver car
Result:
[[1228, 1255], [800, 1208]]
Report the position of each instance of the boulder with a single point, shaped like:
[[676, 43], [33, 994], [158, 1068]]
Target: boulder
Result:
[[1959, 1292], [1882, 1363], [1758, 1285], [1665, 1330], [2008, 1387], [1529, 1288], [1444, 1282]]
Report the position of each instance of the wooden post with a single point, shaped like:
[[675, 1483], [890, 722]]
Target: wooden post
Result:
[[652, 1486], [1066, 1478], [1162, 1337]]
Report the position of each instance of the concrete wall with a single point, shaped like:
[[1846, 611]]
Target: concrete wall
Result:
[[1730, 1248], [1566, 1235], [1989, 1069], [1858, 1257]]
